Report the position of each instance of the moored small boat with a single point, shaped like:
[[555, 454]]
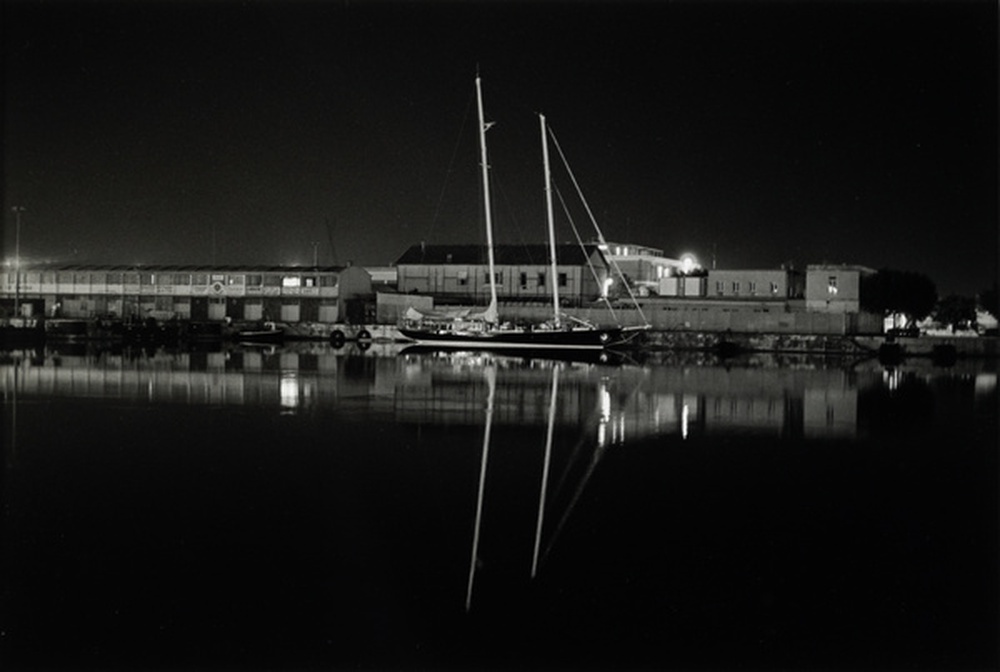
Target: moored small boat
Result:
[[268, 333]]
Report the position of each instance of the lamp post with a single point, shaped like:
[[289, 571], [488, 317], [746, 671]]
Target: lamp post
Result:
[[17, 209]]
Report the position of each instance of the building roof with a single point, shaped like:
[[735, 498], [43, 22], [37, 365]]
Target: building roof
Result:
[[504, 255], [840, 267], [160, 268]]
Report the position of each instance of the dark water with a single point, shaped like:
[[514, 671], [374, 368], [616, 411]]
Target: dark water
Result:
[[321, 509]]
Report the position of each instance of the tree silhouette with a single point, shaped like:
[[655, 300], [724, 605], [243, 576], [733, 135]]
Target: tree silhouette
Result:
[[956, 311], [891, 291], [989, 300]]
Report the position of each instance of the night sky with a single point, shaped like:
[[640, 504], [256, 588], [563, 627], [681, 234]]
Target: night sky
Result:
[[258, 132]]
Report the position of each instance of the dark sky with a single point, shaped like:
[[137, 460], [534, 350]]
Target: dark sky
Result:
[[767, 132]]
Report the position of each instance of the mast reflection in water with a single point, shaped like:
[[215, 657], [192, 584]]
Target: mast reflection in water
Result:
[[311, 507]]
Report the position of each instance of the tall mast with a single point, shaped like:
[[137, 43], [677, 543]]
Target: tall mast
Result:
[[486, 196], [18, 209], [552, 228]]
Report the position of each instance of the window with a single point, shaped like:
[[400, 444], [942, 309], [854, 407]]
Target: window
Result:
[[291, 281], [199, 279], [720, 287], [541, 279], [182, 279], [774, 288], [752, 287], [497, 278], [831, 287], [463, 278], [255, 280], [234, 280], [736, 287], [563, 280], [113, 278], [309, 281], [524, 280], [329, 280], [272, 281]]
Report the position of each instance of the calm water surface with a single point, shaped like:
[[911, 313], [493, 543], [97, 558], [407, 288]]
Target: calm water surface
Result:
[[309, 508]]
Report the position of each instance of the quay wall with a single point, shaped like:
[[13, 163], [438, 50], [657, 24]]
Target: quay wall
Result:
[[715, 315]]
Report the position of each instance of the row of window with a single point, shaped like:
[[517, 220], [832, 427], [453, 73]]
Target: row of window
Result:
[[720, 287], [463, 279], [179, 279]]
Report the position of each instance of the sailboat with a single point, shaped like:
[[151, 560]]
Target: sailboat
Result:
[[483, 330]]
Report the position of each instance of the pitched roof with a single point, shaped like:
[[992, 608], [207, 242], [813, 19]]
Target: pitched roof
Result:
[[504, 255], [165, 268]]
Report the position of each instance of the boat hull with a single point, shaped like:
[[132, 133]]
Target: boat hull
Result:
[[261, 336], [576, 339]]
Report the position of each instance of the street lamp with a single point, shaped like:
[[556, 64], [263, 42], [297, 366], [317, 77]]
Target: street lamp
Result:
[[17, 209]]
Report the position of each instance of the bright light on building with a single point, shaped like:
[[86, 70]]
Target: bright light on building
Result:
[[606, 287], [688, 263]]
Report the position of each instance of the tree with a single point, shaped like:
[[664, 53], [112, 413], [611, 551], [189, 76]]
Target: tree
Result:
[[890, 291], [990, 301], [956, 311]]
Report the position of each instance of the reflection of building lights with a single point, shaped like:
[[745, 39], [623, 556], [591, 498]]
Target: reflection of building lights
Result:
[[602, 426], [289, 390], [985, 383], [891, 378], [684, 421]]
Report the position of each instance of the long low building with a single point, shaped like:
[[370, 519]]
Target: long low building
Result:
[[460, 273], [241, 293]]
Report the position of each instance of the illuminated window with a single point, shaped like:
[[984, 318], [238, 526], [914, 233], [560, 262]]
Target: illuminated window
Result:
[[234, 280], [309, 282], [774, 288], [291, 281], [831, 287]]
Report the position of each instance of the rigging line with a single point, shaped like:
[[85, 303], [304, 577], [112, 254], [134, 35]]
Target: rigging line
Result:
[[451, 164], [593, 271], [593, 220], [511, 214]]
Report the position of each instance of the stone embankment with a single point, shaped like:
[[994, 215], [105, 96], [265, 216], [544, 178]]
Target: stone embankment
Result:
[[823, 344]]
